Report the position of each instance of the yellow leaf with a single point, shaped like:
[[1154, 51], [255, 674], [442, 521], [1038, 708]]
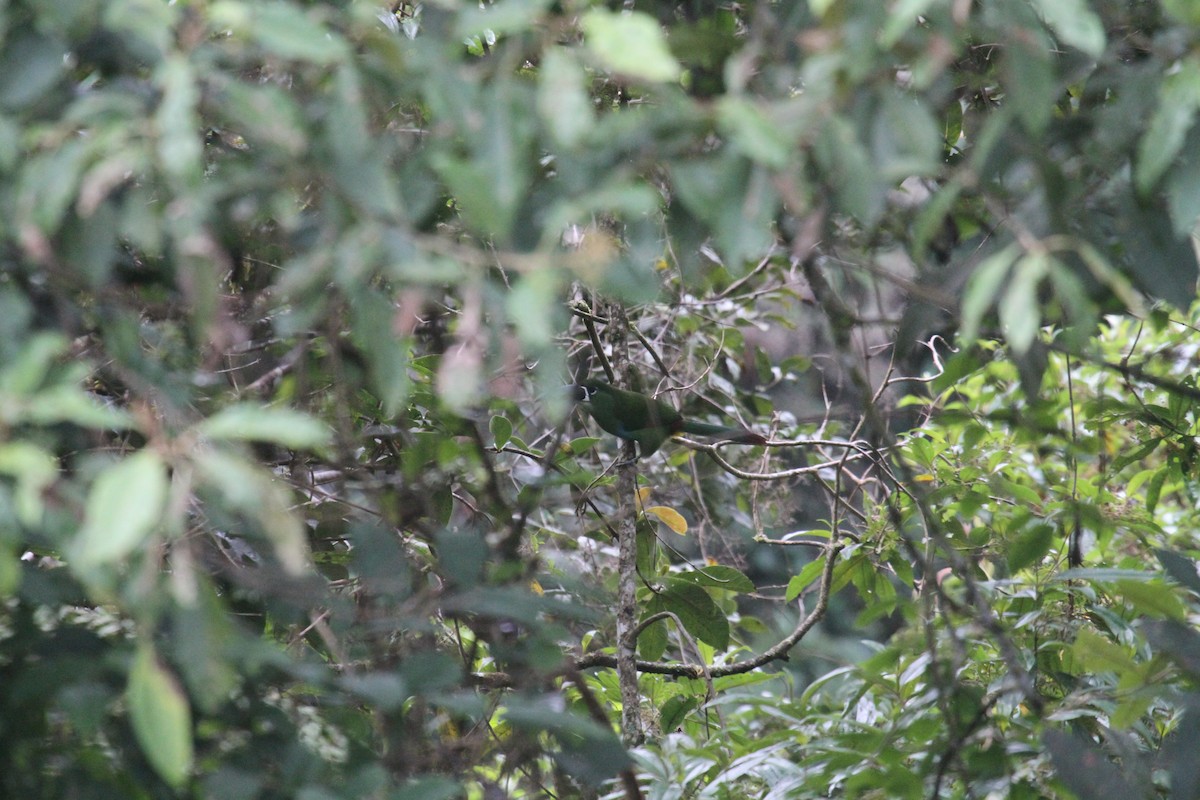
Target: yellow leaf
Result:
[[924, 477], [670, 517], [537, 588]]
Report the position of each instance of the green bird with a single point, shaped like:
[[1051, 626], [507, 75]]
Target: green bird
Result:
[[649, 422]]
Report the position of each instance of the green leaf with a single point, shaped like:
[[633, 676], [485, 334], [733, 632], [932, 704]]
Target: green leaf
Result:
[[718, 577], [675, 711], [123, 507], [1181, 568], [630, 43], [161, 717], [180, 135], [983, 289], [254, 423], [652, 641], [251, 490], [1075, 23], [1019, 310], [507, 16], [753, 132], [1152, 598], [563, 102], [30, 65], [1094, 653], [801, 581], [283, 29], [1030, 547], [34, 470], [1178, 102], [697, 611], [501, 430], [905, 141]]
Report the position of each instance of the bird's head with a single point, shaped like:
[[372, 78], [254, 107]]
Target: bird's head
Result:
[[583, 392]]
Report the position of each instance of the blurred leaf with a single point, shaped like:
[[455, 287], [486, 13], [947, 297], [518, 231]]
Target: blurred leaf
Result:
[[283, 29], [1152, 598], [753, 132], [1178, 102], [180, 143], [162, 721], [1097, 654], [31, 64], [1075, 23], [254, 423], [1085, 768], [124, 506], [504, 17], [905, 141], [562, 99], [34, 470], [1030, 547], [1019, 310], [1182, 569], [630, 43], [251, 490]]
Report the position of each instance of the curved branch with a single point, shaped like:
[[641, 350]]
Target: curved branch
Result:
[[776, 652]]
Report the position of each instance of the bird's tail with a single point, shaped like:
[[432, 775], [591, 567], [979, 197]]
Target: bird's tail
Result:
[[723, 433]]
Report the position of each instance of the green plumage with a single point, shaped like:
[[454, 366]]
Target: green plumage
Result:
[[649, 422]]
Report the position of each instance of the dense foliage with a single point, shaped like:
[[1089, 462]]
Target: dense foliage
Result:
[[293, 502]]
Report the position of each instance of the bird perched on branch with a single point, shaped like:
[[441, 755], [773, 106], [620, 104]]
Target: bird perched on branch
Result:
[[649, 422]]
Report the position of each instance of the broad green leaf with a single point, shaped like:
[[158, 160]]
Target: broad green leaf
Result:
[[161, 717], [717, 576], [902, 16], [563, 102], [1152, 598], [1030, 547], [905, 141], [1178, 102], [1096, 654], [30, 64], [676, 709], [697, 611], [983, 289], [753, 132], [1181, 568], [26, 373], [123, 507], [1186, 11], [501, 430], [283, 29], [630, 43], [180, 135], [803, 579], [254, 423], [652, 641], [34, 469], [1030, 66], [1019, 310], [506, 16], [1075, 23]]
